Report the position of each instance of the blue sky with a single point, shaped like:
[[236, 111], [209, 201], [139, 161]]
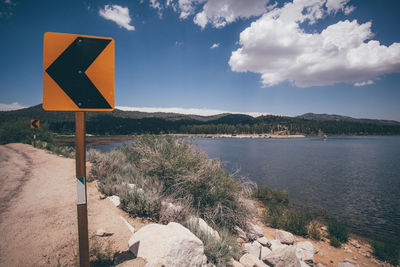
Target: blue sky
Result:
[[205, 56]]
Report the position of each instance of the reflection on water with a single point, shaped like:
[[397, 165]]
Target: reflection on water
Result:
[[353, 178]]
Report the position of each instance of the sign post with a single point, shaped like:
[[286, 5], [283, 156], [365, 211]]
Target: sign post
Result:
[[80, 157], [34, 125], [78, 75]]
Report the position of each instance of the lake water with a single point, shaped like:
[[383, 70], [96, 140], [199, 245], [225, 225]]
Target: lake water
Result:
[[356, 179]]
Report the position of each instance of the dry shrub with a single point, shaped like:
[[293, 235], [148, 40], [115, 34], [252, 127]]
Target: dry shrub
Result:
[[174, 169]]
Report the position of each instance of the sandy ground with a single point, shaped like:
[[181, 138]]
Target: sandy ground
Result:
[[38, 221]]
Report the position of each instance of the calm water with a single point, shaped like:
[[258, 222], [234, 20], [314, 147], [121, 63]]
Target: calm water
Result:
[[356, 179]]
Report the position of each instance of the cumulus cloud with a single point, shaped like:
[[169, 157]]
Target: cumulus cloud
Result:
[[364, 83], [218, 13], [189, 111], [118, 14], [277, 47], [216, 45], [12, 106]]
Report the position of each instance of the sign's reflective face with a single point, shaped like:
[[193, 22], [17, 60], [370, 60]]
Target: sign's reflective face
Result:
[[78, 72]]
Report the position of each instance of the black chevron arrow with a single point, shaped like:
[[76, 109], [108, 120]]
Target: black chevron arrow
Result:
[[34, 124], [68, 71]]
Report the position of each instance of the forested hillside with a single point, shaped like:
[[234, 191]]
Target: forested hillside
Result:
[[120, 122]]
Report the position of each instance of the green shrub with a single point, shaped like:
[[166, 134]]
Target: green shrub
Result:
[[271, 197], [218, 251], [140, 203], [335, 242], [170, 168], [338, 230], [296, 221], [274, 215], [386, 252], [292, 220]]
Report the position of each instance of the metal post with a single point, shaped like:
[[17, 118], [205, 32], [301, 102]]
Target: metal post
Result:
[[80, 156], [34, 137]]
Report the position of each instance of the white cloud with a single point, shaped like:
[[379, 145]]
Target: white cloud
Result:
[[118, 14], [334, 6], [12, 106], [189, 111], [216, 45], [364, 83], [218, 13], [276, 47], [156, 5]]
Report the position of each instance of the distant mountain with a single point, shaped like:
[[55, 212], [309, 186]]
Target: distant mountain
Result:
[[119, 122], [333, 117]]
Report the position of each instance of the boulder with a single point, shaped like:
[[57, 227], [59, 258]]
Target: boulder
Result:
[[254, 232], [284, 237], [264, 252], [276, 244], [283, 257], [264, 241], [233, 263], [253, 248], [305, 252], [115, 200], [100, 232], [355, 244], [348, 263], [169, 245], [203, 226], [249, 260]]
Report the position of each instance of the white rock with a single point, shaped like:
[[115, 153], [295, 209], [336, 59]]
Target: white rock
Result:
[[305, 252], [203, 226], [115, 200], [100, 232], [283, 257], [264, 241], [233, 263], [253, 248], [348, 263], [284, 237], [169, 245], [249, 260], [254, 232], [275, 244], [264, 252], [319, 265], [303, 264], [354, 243]]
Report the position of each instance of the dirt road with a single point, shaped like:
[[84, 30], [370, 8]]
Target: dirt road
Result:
[[38, 221]]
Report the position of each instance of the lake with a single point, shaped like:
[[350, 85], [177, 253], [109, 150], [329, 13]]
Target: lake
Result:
[[356, 179]]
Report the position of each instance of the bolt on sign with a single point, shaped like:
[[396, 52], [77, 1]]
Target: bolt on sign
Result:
[[78, 75], [78, 72], [35, 124]]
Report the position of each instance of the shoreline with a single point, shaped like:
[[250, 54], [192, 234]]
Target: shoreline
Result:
[[95, 140]]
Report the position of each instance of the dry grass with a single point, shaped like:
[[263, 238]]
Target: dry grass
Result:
[[156, 169]]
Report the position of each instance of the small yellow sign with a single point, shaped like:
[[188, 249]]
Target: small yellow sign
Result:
[[35, 124], [78, 72]]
